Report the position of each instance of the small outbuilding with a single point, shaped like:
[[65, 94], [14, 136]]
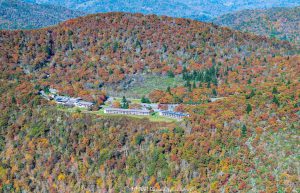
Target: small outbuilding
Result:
[[84, 104]]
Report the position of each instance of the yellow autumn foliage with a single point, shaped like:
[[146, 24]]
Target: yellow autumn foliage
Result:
[[61, 177], [99, 182]]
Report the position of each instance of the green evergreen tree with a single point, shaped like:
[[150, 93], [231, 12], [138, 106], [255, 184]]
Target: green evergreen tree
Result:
[[37, 87], [215, 82], [70, 33], [165, 48], [276, 101], [13, 100], [70, 45], [169, 90], [208, 85], [275, 91], [190, 87], [124, 104], [145, 100], [249, 108], [244, 131], [252, 94], [116, 46], [170, 74], [249, 81], [226, 71], [177, 99], [214, 92], [48, 51], [139, 139], [47, 89], [226, 81]]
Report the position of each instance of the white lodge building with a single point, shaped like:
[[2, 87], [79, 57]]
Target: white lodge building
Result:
[[172, 114], [126, 111]]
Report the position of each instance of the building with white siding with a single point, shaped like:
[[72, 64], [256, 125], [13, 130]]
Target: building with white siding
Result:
[[172, 114], [126, 111]]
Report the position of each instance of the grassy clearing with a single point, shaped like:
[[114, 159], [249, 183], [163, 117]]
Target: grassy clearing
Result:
[[156, 82], [132, 100], [143, 88]]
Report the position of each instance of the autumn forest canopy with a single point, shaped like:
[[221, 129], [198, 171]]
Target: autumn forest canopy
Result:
[[247, 141]]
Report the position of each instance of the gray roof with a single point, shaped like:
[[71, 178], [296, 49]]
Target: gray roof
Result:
[[69, 100], [84, 103], [176, 113], [61, 98], [127, 110], [75, 99]]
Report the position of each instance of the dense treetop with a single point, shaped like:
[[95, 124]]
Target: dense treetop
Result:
[[281, 23]]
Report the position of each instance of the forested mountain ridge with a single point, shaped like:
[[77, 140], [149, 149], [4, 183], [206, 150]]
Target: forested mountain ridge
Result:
[[202, 9], [31, 14], [246, 142], [281, 23], [104, 48], [15, 14]]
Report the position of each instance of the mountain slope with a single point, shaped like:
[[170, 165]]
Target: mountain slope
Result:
[[129, 43], [177, 8], [282, 23], [90, 51], [16, 14], [246, 142]]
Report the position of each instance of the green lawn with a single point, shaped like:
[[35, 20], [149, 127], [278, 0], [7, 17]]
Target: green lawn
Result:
[[132, 100]]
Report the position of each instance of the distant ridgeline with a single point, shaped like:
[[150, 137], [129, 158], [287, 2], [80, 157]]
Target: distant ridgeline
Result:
[[281, 23], [15, 14], [202, 10]]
